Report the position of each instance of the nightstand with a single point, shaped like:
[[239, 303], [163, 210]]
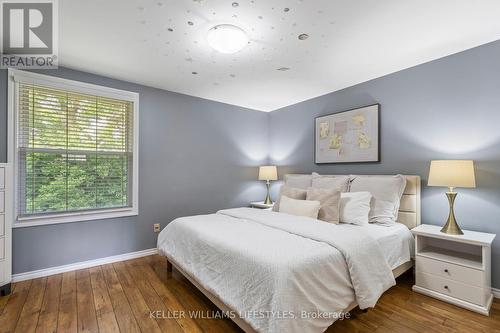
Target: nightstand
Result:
[[454, 268], [261, 205]]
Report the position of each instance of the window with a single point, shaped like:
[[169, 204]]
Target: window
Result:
[[75, 150]]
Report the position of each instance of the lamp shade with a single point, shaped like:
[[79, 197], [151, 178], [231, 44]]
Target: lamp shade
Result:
[[268, 172], [452, 173]]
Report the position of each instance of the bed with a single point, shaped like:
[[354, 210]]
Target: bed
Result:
[[271, 272]]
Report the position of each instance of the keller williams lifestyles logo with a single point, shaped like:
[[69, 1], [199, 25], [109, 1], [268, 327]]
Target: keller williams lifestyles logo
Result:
[[29, 34]]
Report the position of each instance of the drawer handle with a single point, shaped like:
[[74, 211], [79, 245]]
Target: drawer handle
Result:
[[446, 287], [446, 270]]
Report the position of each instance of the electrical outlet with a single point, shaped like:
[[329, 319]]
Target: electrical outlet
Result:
[[156, 227]]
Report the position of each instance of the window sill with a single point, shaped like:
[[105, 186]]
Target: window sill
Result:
[[74, 217]]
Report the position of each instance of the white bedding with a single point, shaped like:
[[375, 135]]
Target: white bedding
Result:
[[271, 266], [396, 241]]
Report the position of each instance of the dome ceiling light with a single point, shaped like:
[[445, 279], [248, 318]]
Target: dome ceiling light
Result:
[[227, 38]]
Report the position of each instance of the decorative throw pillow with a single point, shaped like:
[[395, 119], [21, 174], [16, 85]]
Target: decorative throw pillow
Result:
[[330, 181], [386, 192], [291, 192], [355, 207], [306, 208], [330, 203], [298, 181]]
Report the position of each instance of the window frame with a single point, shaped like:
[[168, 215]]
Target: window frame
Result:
[[16, 76]]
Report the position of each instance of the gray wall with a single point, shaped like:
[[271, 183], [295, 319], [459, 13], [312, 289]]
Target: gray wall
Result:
[[445, 109], [196, 156]]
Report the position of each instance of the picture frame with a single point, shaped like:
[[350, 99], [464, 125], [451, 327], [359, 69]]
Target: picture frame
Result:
[[351, 136]]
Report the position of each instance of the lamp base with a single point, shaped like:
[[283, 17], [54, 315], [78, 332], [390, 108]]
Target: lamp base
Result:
[[267, 200], [451, 227]]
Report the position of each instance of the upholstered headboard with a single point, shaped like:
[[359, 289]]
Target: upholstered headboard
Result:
[[409, 209]]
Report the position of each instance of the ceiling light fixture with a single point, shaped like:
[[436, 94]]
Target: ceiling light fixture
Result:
[[227, 38]]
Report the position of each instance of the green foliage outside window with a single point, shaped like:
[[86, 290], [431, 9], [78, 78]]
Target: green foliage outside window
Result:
[[75, 151]]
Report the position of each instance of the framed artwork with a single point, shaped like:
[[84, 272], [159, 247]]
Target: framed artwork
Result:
[[348, 137]]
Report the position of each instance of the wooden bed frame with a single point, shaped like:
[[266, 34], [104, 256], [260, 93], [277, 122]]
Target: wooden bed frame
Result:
[[409, 215]]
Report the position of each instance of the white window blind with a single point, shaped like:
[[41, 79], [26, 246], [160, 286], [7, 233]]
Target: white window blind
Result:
[[75, 151]]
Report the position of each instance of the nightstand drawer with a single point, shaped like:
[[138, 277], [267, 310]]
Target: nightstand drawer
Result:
[[449, 271], [451, 288], [2, 202], [2, 225]]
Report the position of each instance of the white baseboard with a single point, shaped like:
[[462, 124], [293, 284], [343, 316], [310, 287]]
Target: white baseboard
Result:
[[496, 292], [81, 265]]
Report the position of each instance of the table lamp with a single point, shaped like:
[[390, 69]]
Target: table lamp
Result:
[[268, 173], [451, 174]]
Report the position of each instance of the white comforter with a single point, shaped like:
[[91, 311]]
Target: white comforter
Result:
[[281, 273]]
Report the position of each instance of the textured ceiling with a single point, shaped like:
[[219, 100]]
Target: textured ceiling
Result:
[[162, 43]]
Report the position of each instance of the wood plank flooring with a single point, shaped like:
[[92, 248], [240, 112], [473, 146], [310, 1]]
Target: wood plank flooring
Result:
[[120, 297]]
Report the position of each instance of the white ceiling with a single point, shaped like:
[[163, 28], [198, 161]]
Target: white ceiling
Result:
[[350, 41]]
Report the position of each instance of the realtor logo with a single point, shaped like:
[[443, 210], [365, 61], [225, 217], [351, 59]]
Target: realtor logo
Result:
[[29, 34]]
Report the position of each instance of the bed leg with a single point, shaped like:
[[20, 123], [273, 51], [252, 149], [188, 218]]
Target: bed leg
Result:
[[169, 266]]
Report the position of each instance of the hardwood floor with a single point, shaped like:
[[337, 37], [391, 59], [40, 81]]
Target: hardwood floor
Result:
[[120, 297]]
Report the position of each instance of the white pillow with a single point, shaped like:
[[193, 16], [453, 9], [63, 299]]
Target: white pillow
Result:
[[330, 181], [355, 207], [307, 208], [386, 192]]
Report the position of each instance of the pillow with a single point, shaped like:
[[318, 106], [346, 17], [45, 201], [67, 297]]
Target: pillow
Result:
[[386, 192], [330, 181], [299, 207], [298, 181], [355, 207], [291, 192], [330, 203]]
